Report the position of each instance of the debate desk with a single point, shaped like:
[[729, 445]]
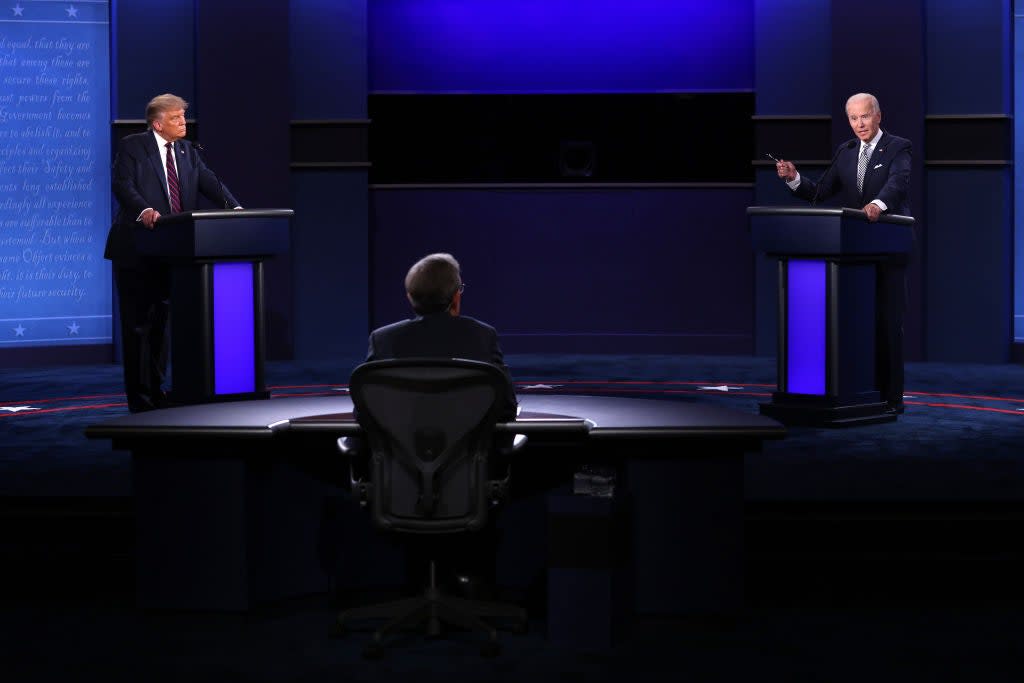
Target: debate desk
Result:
[[229, 495]]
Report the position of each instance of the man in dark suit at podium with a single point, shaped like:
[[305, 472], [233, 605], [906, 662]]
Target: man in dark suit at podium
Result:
[[871, 172], [156, 173]]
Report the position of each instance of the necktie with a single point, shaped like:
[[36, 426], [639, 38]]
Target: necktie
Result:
[[172, 180], [862, 166]]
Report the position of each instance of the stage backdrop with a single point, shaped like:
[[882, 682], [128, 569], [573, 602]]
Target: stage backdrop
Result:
[[54, 174]]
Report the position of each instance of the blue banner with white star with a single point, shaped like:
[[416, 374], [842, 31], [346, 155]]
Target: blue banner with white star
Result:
[[54, 173]]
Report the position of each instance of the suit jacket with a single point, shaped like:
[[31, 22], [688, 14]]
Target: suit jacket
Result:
[[441, 335], [887, 177], [140, 182]]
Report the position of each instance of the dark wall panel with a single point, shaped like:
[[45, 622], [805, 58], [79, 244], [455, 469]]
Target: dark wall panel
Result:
[[666, 270], [970, 259], [329, 161], [330, 260]]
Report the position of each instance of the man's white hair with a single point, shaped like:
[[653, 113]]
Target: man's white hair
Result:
[[864, 96]]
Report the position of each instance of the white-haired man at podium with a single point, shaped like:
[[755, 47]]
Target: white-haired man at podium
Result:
[[870, 172]]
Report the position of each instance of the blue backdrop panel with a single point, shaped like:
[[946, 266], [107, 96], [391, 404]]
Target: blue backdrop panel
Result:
[[154, 53], [54, 174], [792, 57], [968, 70], [665, 270], [526, 46], [328, 58], [1018, 159]]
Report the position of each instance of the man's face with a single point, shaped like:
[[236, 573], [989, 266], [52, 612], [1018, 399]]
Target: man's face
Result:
[[864, 120], [170, 124]]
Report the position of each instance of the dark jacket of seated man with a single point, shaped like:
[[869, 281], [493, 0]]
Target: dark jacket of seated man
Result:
[[443, 335], [434, 288]]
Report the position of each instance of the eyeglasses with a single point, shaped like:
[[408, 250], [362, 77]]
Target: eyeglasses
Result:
[[462, 287]]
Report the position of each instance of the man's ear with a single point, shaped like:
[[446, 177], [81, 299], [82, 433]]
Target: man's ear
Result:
[[455, 306]]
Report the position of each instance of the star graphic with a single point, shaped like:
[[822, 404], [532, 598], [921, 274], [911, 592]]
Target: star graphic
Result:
[[73, 327], [16, 409], [18, 9], [72, 12], [541, 386], [19, 331], [722, 387], [342, 389]]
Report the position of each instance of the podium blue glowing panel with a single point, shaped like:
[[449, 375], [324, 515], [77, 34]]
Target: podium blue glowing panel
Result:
[[234, 337], [805, 327], [54, 174]]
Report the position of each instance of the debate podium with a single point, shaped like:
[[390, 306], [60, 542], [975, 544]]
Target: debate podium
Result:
[[217, 317], [829, 309]]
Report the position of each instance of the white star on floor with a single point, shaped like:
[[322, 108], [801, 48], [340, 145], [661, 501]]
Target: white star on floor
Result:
[[19, 331], [345, 389], [18, 9], [72, 12], [73, 327], [721, 387], [17, 409], [541, 386]]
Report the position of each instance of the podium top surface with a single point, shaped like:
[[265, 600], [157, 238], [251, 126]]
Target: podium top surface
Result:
[[844, 212], [839, 233], [221, 214]]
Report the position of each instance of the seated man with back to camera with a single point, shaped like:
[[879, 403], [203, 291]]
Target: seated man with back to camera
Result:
[[434, 288]]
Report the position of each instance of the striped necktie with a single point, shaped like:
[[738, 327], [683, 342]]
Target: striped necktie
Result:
[[862, 166], [172, 180]]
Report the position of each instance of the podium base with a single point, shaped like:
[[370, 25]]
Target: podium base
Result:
[[824, 412]]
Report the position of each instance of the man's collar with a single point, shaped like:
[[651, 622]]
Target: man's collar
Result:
[[873, 141]]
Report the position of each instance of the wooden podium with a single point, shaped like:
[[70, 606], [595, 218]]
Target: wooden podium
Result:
[[217, 317], [828, 261]]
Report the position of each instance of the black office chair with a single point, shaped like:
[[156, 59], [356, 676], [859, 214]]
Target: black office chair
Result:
[[431, 469]]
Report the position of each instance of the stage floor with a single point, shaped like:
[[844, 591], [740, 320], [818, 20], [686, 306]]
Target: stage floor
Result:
[[961, 439]]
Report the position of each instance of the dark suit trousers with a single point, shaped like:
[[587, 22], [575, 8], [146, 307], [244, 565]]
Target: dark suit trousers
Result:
[[144, 305], [891, 302]]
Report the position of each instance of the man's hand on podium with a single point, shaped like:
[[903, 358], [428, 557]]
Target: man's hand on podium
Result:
[[149, 218], [873, 211]]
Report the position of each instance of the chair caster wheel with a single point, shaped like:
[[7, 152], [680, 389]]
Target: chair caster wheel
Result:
[[490, 649], [373, 651], [336, 630]]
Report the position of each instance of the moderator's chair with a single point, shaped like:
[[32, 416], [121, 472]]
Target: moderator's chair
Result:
[[432, 469]]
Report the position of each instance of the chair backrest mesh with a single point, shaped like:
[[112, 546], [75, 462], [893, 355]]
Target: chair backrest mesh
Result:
[[429, 423]]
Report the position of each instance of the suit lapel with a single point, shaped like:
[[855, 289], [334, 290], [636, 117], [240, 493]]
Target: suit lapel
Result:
[[876, 158], [153, 151]]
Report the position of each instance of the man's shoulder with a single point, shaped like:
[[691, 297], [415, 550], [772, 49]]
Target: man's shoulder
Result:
[[136, 142], [389, 329], [473, 322], [889, 140]]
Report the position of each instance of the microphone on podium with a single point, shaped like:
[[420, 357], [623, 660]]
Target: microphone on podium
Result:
[[817, 188], [223, 195]]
